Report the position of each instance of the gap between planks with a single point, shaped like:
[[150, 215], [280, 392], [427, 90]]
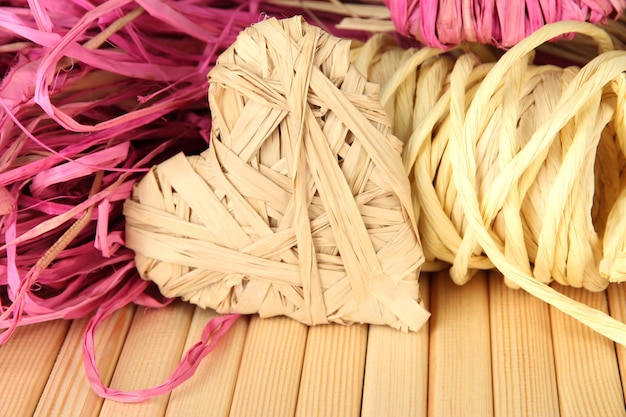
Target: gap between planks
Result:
[[153, 348], [67, 392], [460, 377], [396, 369], [586, 364], [332, 372], [522, 357], [617, 306], [26, 361], [210, 391], [270, 369]]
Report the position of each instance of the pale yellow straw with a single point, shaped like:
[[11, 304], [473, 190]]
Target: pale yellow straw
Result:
[[515, 165]]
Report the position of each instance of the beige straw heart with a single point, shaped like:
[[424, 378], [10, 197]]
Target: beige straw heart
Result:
[[300, 206]]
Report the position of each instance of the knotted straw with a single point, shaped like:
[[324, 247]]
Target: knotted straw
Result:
[[300, 206], [514, 165]]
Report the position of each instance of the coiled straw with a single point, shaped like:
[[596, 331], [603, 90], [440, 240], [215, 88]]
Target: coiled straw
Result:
[[514, 165]]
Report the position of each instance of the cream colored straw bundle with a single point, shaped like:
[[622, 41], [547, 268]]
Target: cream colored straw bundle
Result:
[[300, 206], [514, 165]]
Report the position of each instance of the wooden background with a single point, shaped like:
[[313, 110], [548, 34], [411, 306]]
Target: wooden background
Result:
[[487, 351]]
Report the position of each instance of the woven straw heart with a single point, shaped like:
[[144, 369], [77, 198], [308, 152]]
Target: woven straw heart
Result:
[[300, 206]]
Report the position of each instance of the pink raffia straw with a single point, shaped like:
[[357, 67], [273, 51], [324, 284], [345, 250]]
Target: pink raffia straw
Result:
[[215, 329], [447, 23], [93, 93]]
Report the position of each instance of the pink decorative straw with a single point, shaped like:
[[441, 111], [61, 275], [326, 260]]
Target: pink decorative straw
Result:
[[446, 23], [93, 93]]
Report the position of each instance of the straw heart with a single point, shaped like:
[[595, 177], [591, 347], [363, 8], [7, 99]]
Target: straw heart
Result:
[[300, 206]]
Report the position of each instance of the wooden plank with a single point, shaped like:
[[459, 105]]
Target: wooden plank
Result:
[[396, 370], [460, 382], [522, 359], [68, 392], [586, 366], [26, 361], [332, 374], [269, 374], [210, 391], [153, 348], [617, 306]]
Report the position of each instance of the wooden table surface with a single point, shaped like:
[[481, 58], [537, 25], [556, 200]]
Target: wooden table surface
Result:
[[487, 351]]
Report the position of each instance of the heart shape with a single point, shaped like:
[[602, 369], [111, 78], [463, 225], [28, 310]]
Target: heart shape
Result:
[[300, 206]]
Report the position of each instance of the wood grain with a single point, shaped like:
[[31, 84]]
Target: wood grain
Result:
[[460, 354], [68, 392], [210, 391], [269, 374], [522, 359], [586, 365], [396, 369], [617, 307], [25, 362], [278, 367], [332, 374], [152, 350]]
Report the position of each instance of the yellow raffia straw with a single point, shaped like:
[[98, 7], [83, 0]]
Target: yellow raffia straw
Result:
[[514, 165]]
